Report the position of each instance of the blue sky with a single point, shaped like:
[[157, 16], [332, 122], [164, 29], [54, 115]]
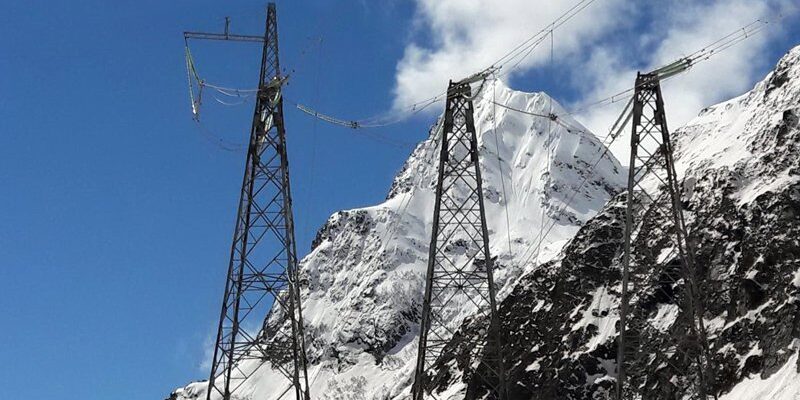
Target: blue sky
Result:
[[117, 212]]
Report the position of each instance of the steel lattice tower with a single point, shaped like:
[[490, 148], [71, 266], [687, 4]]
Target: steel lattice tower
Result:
[[459, 264], [262, 274], [653, 191]]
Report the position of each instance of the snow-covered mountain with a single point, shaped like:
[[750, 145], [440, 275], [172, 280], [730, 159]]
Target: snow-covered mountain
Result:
[[364, 279], [740, 173]]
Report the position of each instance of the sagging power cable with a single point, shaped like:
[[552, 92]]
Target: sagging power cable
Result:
[[685, 63], [664, 72], [516, 54]]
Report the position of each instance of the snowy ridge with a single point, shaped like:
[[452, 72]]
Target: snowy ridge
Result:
[[364, 279], [735, 132]]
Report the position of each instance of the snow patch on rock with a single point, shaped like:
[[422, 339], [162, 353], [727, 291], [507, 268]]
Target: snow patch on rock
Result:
[[782, 385]]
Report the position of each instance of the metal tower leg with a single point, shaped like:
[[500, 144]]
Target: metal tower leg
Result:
[[651, 160], [262, 274], [459, 272]]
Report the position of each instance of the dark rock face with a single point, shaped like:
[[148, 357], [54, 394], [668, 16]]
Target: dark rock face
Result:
[[763, 307], [356, 221], [538, 316], [747, 257], [547, 305]]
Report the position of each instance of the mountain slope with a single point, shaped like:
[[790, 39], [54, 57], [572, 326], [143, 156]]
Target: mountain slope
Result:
[[739, 168], [740, 171], [364, 279]]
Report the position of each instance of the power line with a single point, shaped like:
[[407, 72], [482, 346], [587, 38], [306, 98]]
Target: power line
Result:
[[427, 158], [542, 35], [664, 72], [614, 133], [310, 192], [216, 140], [524, 49], [683, 64], [500, 165], [669, 71], [520, 52], [369, 134], [547, 231]]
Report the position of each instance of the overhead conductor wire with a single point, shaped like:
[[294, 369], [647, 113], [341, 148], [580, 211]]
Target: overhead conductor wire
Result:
[[518, 53], [548, 144], [500, 165], [703, 54]]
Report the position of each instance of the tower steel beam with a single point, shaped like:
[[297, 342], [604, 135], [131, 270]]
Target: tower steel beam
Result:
[[654, 191], [460, 266], [260, 320]]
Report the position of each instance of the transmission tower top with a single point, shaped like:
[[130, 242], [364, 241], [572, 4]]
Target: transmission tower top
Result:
[[226, 35]]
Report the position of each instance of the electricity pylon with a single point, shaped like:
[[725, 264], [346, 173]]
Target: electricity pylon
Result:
[[459, 272], [653, 192], [262, 274]]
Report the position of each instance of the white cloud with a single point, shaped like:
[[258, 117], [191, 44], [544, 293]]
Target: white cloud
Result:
[[467, 36], [597, 48], [689, 27]]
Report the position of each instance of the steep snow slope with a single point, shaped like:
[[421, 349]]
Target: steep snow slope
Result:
[[363, 280], [739, 166]]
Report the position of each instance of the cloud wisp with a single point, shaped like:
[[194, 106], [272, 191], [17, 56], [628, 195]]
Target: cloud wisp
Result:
[[600, 49], [463, 37]]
